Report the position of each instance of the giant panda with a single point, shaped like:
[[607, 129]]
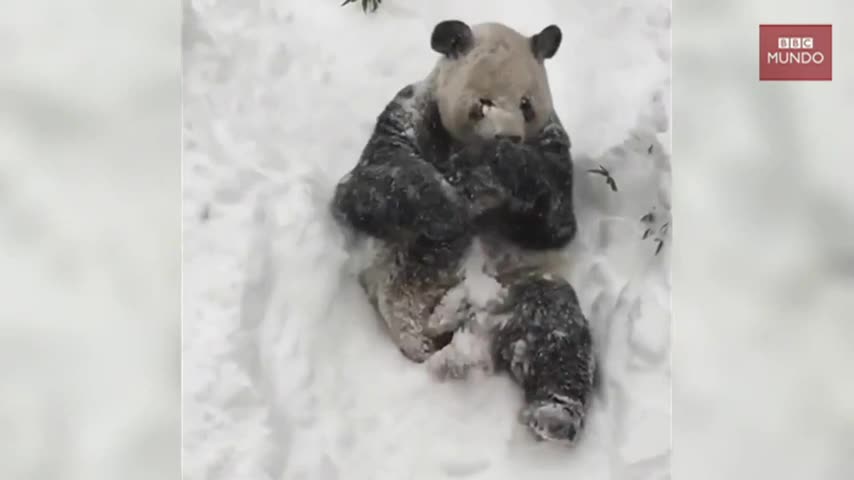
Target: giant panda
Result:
[[475, 154]]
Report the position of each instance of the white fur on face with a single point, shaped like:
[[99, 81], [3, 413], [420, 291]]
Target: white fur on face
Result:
[[501, 68], [500, 120]]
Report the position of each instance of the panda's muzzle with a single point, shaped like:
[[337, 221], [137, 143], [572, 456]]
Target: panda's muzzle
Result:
[[510, 138], [499, 123]]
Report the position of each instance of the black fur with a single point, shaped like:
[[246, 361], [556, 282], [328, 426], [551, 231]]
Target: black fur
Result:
[[545, 44], [417, 188], [533, 181], [394, 194], [451, 38], [547, 347]]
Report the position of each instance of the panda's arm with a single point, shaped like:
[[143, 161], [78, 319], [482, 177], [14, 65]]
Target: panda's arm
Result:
[[393, 193], [537, 176]]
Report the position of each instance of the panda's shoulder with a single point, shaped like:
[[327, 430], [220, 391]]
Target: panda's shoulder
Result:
[[415, 93]]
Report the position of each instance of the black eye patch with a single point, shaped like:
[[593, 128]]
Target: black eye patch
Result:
[[476, 111], [527, 109]]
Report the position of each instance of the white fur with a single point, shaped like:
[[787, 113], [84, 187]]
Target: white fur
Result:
[[501, 67]]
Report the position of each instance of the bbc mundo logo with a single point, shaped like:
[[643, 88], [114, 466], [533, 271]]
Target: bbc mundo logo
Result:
[[795, 50]]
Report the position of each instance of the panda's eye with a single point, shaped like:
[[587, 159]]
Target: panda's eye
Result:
[[527, 109], [476, 111]]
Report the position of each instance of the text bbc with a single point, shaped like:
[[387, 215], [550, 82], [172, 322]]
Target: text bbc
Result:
[[795, 43]]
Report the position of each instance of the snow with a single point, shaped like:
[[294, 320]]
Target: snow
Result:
[[288, 374]]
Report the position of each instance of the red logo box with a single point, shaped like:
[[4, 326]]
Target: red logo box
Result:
[[795, 52]]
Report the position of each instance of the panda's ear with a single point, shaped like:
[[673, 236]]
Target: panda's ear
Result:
[[545, 44], [452, 38]]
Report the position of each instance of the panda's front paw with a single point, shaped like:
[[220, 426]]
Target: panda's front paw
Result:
[[473, 177]]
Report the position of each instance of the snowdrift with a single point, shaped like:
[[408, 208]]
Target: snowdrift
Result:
[[287, 371]]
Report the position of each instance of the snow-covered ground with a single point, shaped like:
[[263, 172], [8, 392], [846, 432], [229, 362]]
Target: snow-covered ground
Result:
[[287, 372]]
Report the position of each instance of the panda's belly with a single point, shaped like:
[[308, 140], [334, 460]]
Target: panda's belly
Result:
[[504, 261]]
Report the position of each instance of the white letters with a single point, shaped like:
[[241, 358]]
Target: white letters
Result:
[[795, 43], [803, 58]]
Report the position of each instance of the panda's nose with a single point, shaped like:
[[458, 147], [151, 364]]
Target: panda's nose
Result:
[[511, 138]]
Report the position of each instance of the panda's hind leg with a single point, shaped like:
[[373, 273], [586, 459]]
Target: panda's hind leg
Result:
[[546, 346], [418, 303]]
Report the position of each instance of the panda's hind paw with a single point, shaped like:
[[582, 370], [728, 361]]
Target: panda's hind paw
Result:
[[553, 421], [417, 348]]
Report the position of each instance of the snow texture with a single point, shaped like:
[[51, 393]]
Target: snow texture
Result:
[[288, 373]]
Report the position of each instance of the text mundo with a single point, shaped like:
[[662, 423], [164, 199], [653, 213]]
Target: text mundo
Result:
[[793, 57]]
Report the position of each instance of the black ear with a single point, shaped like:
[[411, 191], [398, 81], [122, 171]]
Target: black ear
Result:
[[451, 38], [546, 43]]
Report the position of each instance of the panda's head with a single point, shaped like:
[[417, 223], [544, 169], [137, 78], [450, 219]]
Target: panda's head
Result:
[[491, 80]]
